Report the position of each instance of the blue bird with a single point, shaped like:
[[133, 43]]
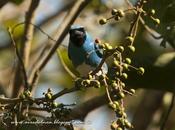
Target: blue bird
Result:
[[83, 52]]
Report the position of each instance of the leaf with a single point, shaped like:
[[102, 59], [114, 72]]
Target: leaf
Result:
[[17, 1]]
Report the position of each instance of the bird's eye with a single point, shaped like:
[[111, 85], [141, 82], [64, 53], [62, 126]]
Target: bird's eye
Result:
[[81, 29], [70, 31]]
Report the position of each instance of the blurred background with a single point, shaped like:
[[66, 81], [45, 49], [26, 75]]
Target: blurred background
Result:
[[147, 109]]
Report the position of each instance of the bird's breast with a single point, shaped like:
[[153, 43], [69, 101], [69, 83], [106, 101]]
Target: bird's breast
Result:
[[84, 69]]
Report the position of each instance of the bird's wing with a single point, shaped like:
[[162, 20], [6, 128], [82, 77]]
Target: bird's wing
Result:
[[69, 49], [98, 50]]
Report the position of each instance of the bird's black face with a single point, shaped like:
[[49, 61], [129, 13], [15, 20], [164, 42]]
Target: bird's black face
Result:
[[77, 36]]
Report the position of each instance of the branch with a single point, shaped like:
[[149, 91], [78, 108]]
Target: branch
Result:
[[168, 113], [35, 100], [63, 30], [66, 6], [28, 31], [149, 104], [21, 63], [83, 109], [3, 2], [26, 44]]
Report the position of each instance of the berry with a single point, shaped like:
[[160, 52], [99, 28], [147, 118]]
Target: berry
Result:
[[127, 124], [48, 96], [131, 48], [141, 70], [114, 125], [117, 104], [152, 12], [22, 96], [119, 128], [121, 13], [114, 11], [129, 40], [86, 82], [95, 83], [121, 94], [55, 105], [120, 121], [116, 63], [114, 85], [132, 91], [157, 21], [128, 60], [112, 105], [124, 76], [120, 48], [102, 21], [125, 66], [109, 47], [117, 18], [27, 93]]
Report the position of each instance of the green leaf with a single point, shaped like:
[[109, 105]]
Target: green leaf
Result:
[[17, 1]]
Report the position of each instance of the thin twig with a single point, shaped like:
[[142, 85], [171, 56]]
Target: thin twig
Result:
[[26, 45], [168, 112], [150, 30], [20, 59], [59, 94], [107, 90]]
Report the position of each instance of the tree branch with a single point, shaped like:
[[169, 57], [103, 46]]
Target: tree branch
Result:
[[83, 109], [26, 45]]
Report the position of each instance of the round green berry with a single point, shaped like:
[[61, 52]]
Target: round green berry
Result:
[[119, 128], [95, 83], [125, 66], [109, 47], [127, 124], [116, 63], [152, 12], [121, 122], [124, 76], [157, 21], [86, 82], [128, 60], [114, 11], [131, 48], [102, 21], [48, 96], [117, 104], [122, 84], [120, 48], [114, 85], [141, 70], [112, 105], [121, 13], [55, 105], [113, 125], [90, 76], [121, 94], [22, 96], [132, 91], [27, 93], [129, 40]]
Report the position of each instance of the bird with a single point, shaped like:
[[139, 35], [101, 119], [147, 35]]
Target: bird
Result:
[[84, 53]]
